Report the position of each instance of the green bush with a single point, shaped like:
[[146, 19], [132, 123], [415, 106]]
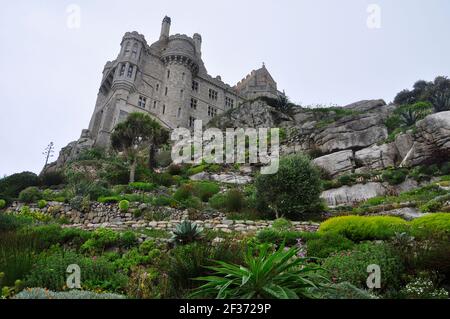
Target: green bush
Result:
[[395, 176], [184, 192], [431, 225], [98, 273], [164, 179], [162, 200], [2, 203], [205, 190], [196, 169], [218, 201], [234, 200], [351, 266], [346, 180], [109, 199], [294, 191], [100, 240], [128, 239], [435, 204], [282, 224], [11, 186], [273, 236], [42, 203], [328, 244], [140, 186], [30, 195], [359, 228], [192, 202], [52, 179], [124, 206], [9, 222]]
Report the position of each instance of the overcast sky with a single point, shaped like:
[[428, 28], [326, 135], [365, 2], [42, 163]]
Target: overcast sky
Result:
[[320, 52]]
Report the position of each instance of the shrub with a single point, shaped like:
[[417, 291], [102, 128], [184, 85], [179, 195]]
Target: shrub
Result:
[[196, 169], [358, 228], [128, 239], [205, 190], [274, 275], [289, 238], [101, 239], [282, 224], [423, 288], [140, 186], [124, 206], [294, 191], [9, 222], [11, 186], [395, 176], [218, 201], [52, 179], [2, 203], [42, 203], [160, 201], [183, 192], [352, 265], [163, 158], [98, 273], [431, 225], [186, 232], [40, 293], [164, 179], [80, 203], [435, 204], [30, 195], [346, 180], [234, 200], [328, 244], [174, 169], [192, 202]]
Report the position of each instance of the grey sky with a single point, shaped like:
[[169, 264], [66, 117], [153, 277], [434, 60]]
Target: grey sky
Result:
[[319, 51]]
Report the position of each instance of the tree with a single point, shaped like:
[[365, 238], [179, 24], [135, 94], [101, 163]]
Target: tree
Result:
[[294, 191], [134, 134], [436, 92]]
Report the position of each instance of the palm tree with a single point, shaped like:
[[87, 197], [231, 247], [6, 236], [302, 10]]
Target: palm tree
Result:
[[138, 131]]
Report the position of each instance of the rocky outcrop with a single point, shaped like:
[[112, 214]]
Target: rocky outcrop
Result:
[[222, 178], [376, 157], [431, 140], [349, 195], [351, 132], [336, 163], [71, 152]]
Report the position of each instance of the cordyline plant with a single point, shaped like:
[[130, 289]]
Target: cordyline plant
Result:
[[270, 275]]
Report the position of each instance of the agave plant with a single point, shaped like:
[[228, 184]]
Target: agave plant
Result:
[[269, 275], [186, 232]]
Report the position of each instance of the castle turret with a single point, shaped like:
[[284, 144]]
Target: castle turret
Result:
[[198, 44], [165, 28]]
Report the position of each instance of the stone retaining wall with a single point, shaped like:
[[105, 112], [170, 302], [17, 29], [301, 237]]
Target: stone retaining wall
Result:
[[109, 216]]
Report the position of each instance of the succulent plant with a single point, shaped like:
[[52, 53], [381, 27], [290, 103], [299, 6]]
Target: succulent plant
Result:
[[186, 232]]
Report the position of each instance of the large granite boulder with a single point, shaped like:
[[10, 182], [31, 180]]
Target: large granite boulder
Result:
[[336, 163], [352, 132], [431, 140], [377, 157], [349, 195]]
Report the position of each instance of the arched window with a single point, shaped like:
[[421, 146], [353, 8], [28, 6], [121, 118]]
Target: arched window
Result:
[[122, 69], [134, 51], [130, 71], [127, 48]]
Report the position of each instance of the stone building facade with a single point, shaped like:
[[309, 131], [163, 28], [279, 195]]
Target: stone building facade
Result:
[[167, 80]]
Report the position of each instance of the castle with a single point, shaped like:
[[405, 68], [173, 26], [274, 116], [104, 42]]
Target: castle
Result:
[[167, 80]]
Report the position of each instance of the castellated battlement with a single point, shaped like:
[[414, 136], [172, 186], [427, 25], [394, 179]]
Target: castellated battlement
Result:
[[169, 81]]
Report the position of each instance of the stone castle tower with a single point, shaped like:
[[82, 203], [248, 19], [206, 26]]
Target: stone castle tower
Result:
[[167, 80]]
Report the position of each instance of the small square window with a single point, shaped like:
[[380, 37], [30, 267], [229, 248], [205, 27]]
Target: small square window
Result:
[[213, 94]]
